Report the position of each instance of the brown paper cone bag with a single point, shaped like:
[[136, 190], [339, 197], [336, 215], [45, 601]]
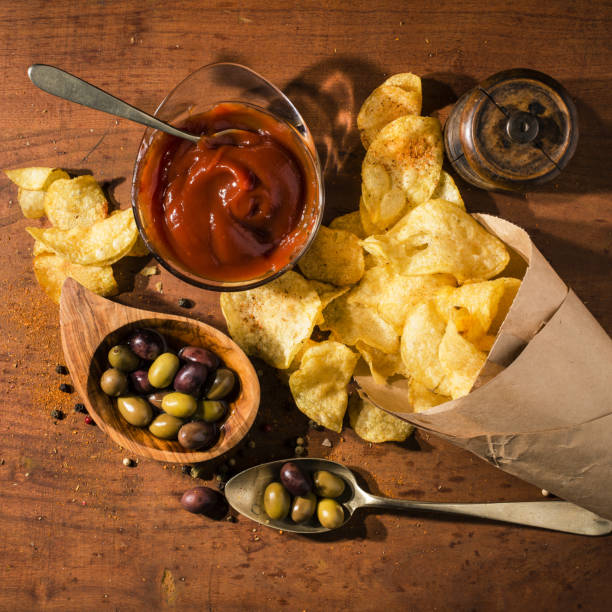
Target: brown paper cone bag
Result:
[[541, 408]]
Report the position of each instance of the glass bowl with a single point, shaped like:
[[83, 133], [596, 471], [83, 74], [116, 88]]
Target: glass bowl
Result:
[[199, 92]]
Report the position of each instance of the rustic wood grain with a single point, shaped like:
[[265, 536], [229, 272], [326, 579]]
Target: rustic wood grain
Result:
[[78, 531]]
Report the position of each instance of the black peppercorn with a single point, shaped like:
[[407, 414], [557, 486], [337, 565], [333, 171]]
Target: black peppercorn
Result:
[[65, 388], [57, 414], [185, 303], [80, 408], [61, 369]]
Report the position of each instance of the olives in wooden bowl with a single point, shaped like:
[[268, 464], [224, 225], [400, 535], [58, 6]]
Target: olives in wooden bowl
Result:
[[91, 326]]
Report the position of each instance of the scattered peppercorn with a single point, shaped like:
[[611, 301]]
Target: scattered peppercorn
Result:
[[186, 469], [65, 388], [300, 441], [221, 486], [80, 408], [299, 450], [128, 462], [61, 369], [185, 303], [251, 444], [314, 425], [57, 414], [89, 420], [232, 462]]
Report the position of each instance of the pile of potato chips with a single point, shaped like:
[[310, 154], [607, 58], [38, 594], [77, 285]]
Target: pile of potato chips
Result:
[[84, 240], [405, 283]]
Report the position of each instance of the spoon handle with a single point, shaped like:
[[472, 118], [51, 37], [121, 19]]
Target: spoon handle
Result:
[[67, 86], [555, 515]]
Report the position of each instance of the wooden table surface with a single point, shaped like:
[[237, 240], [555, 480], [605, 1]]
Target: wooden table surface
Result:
[[78, 530]]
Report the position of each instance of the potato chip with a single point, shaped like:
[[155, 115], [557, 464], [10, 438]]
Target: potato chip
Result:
[[421, 398], [35, 179], [350, 222], [439, 237], [139, 249], [41, 249], [369, 227], [447, 190], [385, 104], [511, 287], [327, 293], [392, 295], [52, 270], [481, 299], [273, 321], [334, 257], [319, 386], [101, 244], [461, 361], [375, 425], [401, 168], [76, 202], [32, 203], [352, 322], [421, 338], [406, 81], [382, 365]]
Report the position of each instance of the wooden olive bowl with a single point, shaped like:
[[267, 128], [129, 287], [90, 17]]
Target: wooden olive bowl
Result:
[[91, 325]]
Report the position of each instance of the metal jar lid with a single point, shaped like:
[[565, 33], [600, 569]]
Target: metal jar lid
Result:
[[518, 128]]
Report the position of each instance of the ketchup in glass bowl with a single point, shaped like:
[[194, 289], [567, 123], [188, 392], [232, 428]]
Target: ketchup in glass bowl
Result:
[[241, 206]]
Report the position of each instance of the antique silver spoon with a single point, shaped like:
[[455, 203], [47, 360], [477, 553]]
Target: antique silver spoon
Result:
[[245, 491], [65, 85]]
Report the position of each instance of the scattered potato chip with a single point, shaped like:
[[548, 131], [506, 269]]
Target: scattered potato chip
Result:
[[461, 360], [32, 203], [101, 244], [350, 222], [421, 398], [335, 256], [274, 320], [401, 168], [375, 425], [352, 322], [447, 190], [390, 294], [52, 270], [76, 202], [319, 386], [36, 178], [421, 338], [385, 104], [382, 365], [439, 237]]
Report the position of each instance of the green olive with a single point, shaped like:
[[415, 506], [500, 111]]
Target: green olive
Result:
[[212, 410], [122, 358], [303, 508], [222, 385], [165, 426], [328, 484], [330, 513], [163, 369], [135, 410], [179, 405], [276, 501], [113, 382]]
